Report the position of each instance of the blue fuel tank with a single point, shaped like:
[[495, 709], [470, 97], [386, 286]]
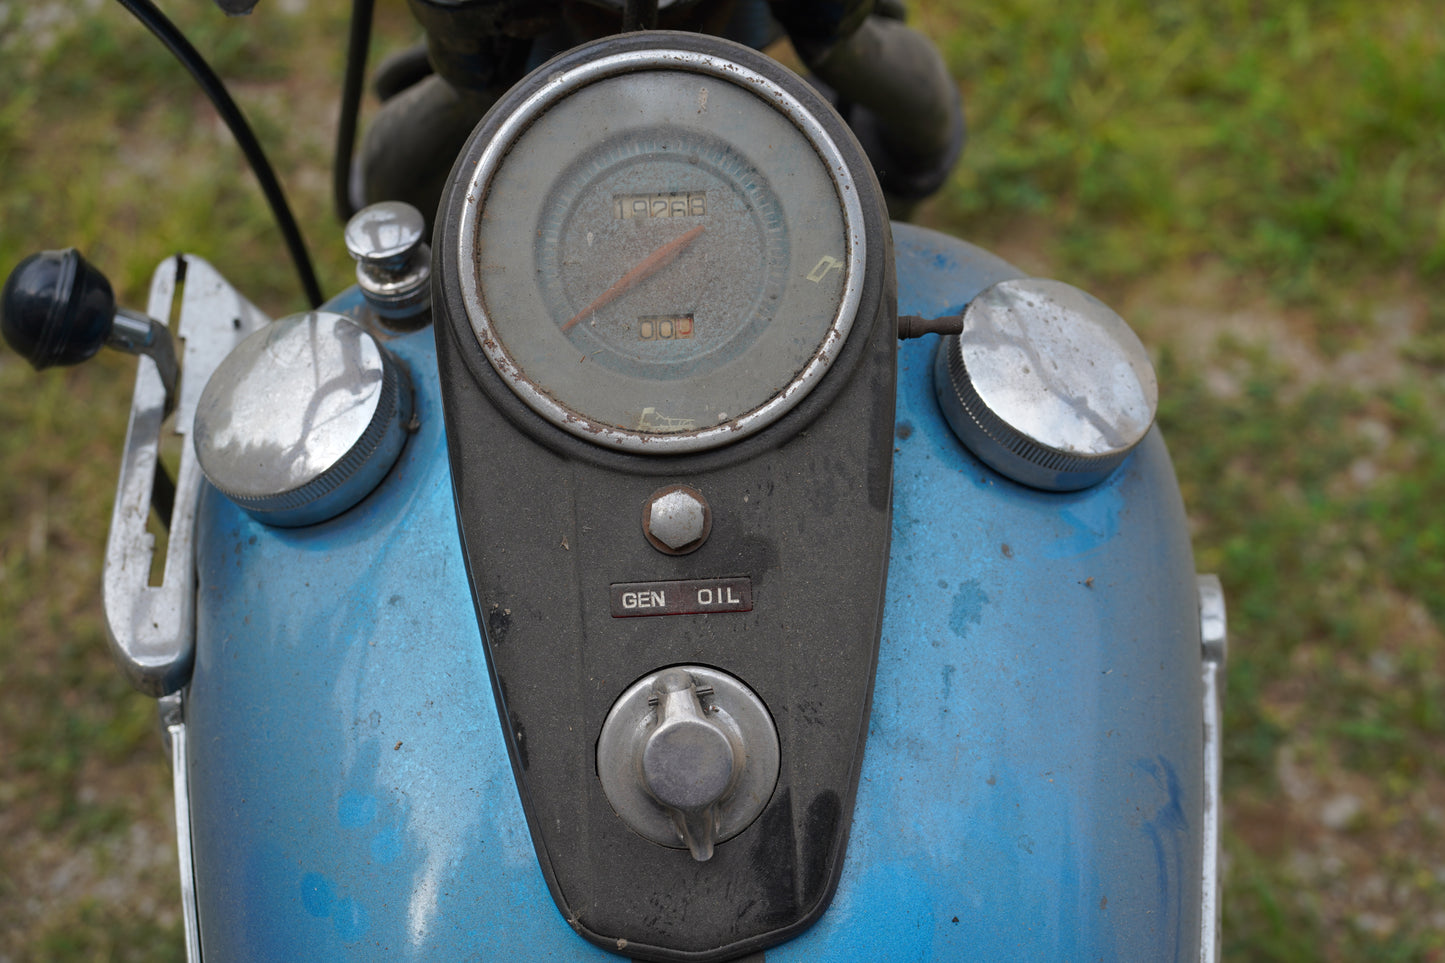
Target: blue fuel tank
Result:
[[1033, 785]]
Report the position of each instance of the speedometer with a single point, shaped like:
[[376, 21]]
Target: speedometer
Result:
[[661, 250]]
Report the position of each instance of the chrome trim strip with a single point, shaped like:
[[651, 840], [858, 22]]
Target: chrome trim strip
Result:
[[173, 717], [555, 89], [152, 628], [1209, 933], [1214, 639]]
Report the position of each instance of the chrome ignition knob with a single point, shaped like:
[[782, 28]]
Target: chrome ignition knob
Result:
[[1046, 384], [688, 757], [690, 761], [303, 419]]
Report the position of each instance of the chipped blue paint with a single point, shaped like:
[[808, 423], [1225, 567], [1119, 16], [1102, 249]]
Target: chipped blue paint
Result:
[[1091, 524], [317, 895], [968, 602], [351, 920], [355, 809], [385, 846], [1033, 761], [1166, 828]]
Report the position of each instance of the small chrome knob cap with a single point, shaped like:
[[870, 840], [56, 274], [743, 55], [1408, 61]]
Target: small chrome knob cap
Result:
[[1046, 384], [303, 419], [393, 261]]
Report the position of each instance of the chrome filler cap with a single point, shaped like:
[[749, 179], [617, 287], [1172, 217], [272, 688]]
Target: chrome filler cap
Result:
[[303, 419], [1046, 384]]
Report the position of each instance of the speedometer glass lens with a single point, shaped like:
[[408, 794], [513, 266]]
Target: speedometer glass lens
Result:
[[665, 259]]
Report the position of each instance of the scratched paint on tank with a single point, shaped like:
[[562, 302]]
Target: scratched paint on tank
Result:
[[1031, 778]]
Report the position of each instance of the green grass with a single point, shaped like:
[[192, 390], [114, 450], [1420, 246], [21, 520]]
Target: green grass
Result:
[[1259, 187], [105, 145], [1281, 168], [1296, 141]]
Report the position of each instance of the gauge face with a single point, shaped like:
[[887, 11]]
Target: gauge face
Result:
[[667, 252], [666, 255]]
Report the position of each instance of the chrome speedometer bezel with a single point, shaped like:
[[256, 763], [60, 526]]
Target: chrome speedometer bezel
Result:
[[552, 91]]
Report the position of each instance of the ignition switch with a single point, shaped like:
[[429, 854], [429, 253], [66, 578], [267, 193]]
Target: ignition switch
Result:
[[688, 757]]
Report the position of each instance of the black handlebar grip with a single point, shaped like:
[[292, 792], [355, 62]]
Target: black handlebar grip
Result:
[[57, 309]]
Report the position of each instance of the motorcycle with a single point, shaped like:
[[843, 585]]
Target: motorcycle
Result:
[[660, 553]]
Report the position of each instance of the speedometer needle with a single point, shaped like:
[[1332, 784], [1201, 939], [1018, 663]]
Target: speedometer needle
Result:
[[645, 269]]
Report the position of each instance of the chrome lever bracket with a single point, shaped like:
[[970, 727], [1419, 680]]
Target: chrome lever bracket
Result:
[[152, 627]]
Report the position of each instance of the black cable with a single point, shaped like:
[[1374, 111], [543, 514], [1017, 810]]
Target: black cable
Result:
[[912, 326], [165, 31], [357, 45]]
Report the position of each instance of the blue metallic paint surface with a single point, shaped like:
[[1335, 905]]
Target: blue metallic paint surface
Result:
[[1032, 780]]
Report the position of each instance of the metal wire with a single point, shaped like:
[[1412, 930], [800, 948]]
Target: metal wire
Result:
[[357, 45], [167, 33]]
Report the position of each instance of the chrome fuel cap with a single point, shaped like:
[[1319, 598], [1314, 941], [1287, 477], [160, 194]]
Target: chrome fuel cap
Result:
[[1046, 384], [303, 419]]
